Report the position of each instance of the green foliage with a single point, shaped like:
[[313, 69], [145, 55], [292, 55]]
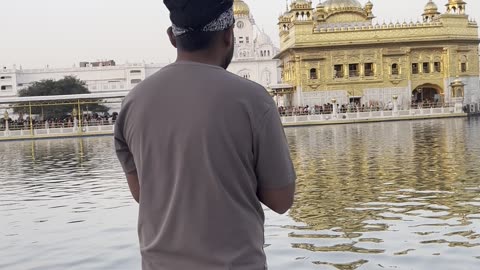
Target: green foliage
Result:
[[67, 86]]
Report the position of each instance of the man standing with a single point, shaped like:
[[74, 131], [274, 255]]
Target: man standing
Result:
[[201, 174]]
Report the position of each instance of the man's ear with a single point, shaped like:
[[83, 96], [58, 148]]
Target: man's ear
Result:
[[228, 37], [171, 36]]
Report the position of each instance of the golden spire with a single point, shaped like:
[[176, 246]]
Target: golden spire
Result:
[[240, 8]]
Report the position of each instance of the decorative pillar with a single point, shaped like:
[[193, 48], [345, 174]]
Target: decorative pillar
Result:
[[75, 120], [395, 105], [335, 109], [47, 127], [32, 132], [458, 94], [6, 117]]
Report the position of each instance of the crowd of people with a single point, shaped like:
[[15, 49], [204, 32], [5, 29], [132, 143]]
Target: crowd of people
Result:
[[328, 109], [96, 119], [351, 108]]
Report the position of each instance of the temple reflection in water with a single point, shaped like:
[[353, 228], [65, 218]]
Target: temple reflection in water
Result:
[[351, 175]]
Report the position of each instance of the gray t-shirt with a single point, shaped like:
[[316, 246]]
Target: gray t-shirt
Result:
[[202, 141]]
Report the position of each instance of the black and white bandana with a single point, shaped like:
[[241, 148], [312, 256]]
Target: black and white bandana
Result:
[[224, 21]]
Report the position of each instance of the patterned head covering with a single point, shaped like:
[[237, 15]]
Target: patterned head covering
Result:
[[200, 15]]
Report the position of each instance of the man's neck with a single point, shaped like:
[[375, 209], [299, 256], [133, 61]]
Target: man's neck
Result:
[[199, 57]]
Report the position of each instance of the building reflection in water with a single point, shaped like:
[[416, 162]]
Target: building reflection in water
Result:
[[403, 195], [355, 179], [46, 155]]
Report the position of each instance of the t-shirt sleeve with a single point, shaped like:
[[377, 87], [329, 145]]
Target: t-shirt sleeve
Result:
[[274, 168], [123, 151]]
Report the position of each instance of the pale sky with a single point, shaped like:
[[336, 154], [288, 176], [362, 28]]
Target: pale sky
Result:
[[61, 33]]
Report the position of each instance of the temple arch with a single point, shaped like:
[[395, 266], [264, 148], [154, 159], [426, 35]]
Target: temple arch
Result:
[[430, 93]]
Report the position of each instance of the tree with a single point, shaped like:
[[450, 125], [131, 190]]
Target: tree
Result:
[[67, 86]]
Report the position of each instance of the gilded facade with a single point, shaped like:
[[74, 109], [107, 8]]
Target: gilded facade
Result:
[[336, 51]]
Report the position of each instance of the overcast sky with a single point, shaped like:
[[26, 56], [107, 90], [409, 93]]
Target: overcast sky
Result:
[[61, 33]]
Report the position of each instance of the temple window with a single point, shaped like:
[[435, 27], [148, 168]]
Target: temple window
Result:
[[353, 70], [248, 39], [463, 63], [135, 81], [369, 69], [437, 66], [338, 70], [459, 91], [395, 70], [415, 68], [266, 77], [426, 67], [313, 74]]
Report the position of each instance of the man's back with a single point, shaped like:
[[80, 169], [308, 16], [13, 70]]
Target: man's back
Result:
[[203, 142]]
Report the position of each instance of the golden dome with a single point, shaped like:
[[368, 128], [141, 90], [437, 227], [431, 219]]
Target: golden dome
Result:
[[240, 8], [332, 5], [431, 6]]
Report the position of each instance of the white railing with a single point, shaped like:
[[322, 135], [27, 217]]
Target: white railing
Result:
[[348, 117], [56, 132], [372, 116]]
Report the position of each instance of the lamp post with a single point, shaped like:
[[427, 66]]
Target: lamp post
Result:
[[5, 117]]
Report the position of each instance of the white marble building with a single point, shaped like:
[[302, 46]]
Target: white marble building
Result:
[[99, 79], [254, 52], [254, 49]]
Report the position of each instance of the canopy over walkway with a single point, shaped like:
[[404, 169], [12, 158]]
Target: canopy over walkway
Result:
[[61, 100]]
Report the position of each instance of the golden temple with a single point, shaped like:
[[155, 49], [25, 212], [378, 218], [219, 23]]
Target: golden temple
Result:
[[337, 50]]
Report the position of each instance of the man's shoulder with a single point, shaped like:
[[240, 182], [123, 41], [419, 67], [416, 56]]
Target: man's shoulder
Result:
[[228, 84], [248, 87]]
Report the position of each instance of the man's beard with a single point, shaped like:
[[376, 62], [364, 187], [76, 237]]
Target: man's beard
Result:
[[228, 58]]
